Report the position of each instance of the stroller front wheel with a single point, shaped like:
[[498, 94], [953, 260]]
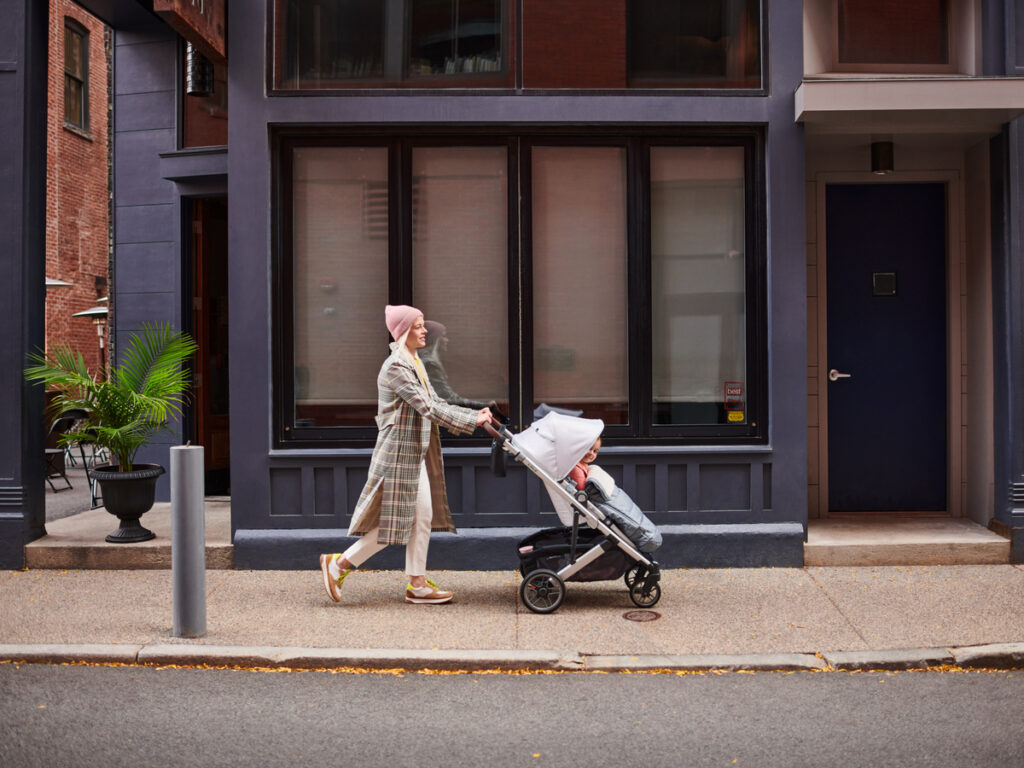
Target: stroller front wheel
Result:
[[644, 595], [542, 591]]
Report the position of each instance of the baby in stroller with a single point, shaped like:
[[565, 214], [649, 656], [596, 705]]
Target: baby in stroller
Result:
[[604, 494]]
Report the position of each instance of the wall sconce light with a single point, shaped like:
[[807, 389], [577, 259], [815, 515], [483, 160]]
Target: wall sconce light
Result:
[[881, 157], [198, 72]]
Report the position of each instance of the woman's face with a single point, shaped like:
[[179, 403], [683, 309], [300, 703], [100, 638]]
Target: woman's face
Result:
[[417, 338]]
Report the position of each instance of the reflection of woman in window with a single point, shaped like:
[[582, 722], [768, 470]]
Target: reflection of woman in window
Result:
[[404, 497], [437, 345]]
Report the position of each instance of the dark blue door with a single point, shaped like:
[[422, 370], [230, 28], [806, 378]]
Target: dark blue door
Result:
[[886, 257]]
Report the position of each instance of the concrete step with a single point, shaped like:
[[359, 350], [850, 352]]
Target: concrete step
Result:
[[875, 540], [77, 542]]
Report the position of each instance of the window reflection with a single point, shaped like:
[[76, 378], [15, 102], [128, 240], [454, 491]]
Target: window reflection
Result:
[[340, 253], [460, 269], [698, 43], [579, 280], [698, 285]]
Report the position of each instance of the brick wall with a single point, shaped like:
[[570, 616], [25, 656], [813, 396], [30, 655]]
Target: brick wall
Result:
[[77, 212]]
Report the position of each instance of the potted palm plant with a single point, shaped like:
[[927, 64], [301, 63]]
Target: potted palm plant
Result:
[[124, 411]]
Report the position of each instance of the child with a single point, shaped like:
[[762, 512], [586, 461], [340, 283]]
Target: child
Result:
[[581, 471]]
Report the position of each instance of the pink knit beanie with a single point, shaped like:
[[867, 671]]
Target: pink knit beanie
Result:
[[399, 318]]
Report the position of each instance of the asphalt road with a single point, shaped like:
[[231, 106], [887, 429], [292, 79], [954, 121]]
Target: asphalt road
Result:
[[61, 716]]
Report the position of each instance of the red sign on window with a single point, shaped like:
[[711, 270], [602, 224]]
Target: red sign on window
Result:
[[734, 395]]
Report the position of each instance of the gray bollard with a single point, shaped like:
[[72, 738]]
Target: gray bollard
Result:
[[188, 541]]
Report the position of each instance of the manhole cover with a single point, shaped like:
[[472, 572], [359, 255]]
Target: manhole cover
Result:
[[641, 615]]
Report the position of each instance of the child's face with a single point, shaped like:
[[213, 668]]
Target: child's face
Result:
[[589, 456]]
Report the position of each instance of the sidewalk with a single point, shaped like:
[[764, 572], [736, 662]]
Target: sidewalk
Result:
[[757, 619]]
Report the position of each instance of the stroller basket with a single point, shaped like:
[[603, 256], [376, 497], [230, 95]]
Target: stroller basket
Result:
[[551, 548]]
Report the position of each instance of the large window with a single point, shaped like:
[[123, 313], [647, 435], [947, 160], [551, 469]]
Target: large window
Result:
[[76, 75], [524, 44], [621, 276], [879, 34], [697, 43], [389, 43]]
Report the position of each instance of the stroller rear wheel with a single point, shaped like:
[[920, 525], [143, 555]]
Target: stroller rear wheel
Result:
[[631, 574], [542, 591]]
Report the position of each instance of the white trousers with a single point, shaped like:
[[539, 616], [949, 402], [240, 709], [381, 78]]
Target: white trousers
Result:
[[419, 538]]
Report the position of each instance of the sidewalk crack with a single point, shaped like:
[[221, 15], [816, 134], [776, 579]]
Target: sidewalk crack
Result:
[[839, 610]]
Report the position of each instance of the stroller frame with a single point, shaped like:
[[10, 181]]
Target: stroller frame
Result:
[[543, 590]]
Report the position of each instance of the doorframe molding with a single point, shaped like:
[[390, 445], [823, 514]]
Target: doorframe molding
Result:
[[955, 328]]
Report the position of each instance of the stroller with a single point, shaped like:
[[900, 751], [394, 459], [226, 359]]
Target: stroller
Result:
[[604, 550]]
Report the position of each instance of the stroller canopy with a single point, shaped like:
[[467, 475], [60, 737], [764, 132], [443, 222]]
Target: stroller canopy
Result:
[[557, 442]]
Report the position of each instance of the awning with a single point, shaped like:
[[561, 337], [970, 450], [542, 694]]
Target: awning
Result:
[[909, 104]]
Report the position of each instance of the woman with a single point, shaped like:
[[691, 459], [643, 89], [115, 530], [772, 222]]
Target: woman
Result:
[[404, 497]]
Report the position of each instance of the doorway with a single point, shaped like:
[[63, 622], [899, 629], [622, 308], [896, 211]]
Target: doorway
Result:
[[209, 324], [886, 297]]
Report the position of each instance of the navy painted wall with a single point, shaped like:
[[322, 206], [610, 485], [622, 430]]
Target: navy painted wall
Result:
[[23, 70], [1007, 163], [147, 229]]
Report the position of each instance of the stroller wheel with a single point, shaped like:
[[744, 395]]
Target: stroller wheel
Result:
[[542, 591], [631, 574], [644, 596]]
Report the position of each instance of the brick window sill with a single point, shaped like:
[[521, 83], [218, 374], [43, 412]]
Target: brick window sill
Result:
[[83, 134]]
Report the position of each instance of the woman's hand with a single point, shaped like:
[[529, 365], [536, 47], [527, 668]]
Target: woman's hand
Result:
[[483, 416]]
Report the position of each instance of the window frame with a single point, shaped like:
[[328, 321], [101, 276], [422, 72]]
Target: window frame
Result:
[[638, 142], [74, 27]]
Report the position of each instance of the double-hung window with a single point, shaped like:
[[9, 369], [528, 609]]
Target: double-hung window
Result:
[[76, 75], [617, 275]]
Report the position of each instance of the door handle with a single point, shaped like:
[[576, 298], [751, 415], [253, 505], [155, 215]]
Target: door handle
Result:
[[835, 375]]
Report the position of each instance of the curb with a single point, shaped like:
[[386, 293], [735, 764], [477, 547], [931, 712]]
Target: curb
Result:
[[991, 656]]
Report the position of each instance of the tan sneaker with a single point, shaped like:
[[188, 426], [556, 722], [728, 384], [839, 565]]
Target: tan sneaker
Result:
[[332, 584], [428, 595]]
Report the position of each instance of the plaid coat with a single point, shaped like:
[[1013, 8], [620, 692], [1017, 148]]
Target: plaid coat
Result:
[[407, 417]]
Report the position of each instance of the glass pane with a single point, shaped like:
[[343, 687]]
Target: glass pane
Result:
[[883, 32], [698, 285], [454, 37], [327, 43], [340, 258], [206, 117], [697, 43], [579, 280], [73, 102], [460, 269], [73, 53]]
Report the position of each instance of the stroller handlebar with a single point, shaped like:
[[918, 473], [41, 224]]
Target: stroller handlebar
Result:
[[491, 429]]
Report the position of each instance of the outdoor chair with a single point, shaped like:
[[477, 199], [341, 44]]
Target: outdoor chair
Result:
[[79, 414], [55, 466]]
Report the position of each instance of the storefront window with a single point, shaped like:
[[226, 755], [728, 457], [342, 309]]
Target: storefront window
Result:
[[698, 279], [340, 286], [621, 276], [697, 43], [390, 43], [460, 268], [579, 280]]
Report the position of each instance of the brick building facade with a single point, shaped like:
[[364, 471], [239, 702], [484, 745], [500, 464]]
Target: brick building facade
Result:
[[77, 179]]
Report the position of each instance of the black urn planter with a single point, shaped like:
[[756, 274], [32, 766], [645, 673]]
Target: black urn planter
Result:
[[129, 495]]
